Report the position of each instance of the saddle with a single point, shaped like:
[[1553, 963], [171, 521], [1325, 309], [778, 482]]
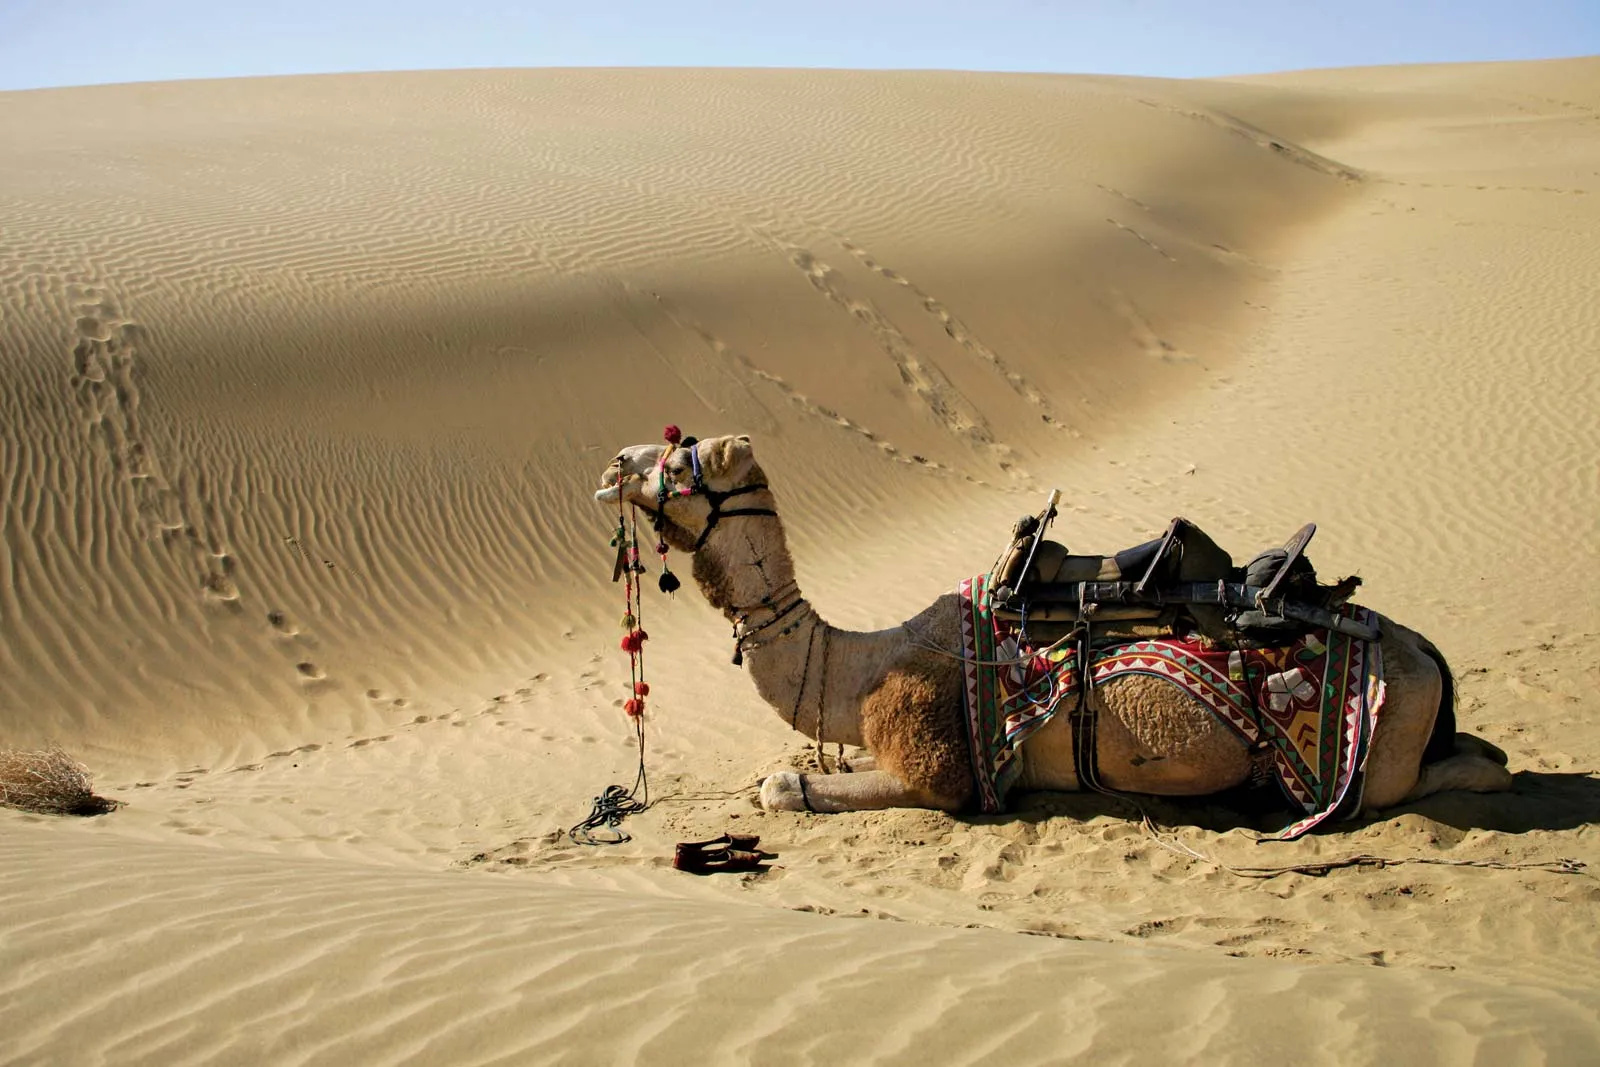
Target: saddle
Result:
[[1178, 584]]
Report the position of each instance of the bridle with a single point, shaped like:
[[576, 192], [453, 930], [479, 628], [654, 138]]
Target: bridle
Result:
[[697, 487], [745, 636], [793, 614]]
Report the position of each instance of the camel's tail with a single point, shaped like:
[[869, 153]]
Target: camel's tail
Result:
[[1442, 742]]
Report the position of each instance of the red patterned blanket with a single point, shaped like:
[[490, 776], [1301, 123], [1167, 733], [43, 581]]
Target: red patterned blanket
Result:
[[1313, 704]]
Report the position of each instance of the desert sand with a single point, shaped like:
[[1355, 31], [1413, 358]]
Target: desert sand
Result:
[[308, 383]]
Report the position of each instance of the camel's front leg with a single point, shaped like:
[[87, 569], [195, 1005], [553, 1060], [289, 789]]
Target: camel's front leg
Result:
[[831, 793]]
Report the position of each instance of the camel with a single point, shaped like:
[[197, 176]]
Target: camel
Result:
[[898, 692]]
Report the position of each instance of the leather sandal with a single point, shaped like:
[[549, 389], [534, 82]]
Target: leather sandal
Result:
[[730, 852], [744, 842]]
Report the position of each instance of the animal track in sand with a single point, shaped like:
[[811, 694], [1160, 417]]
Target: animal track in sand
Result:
[[282, 753], [306, 552], [1294, 153], [281, 622], [1144, 335], [959, 332], [1120, 195], [1159, 927], [105, 362], [1564, 191], [936, 393], [1147, 242], [296, 642], [743, 363], [930, 386]]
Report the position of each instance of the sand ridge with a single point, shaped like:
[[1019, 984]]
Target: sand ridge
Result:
[[309, 381]]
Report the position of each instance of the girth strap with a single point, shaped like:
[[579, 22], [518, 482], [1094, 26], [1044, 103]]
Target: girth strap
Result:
[[1084, 720]]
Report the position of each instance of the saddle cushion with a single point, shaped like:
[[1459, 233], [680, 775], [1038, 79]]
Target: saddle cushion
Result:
[[1313, 705]]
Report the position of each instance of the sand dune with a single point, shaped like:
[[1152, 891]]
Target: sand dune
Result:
[[452, 969], [307, 385], [343, 340]]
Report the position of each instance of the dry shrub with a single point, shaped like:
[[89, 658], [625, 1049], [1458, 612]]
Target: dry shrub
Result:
[[50, 782]]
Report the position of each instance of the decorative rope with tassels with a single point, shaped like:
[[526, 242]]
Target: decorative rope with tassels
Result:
[[616, 802]]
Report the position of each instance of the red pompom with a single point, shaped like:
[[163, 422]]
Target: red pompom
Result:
[[634, 708], [634, 640], [672, 434], [641, 689]]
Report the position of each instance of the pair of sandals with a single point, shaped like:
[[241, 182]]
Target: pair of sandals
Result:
[[730, 852]]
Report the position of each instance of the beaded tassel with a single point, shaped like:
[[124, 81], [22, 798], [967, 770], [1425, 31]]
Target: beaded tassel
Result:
[[633, 638]]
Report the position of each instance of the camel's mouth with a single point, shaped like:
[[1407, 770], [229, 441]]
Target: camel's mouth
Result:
[[610, 484]]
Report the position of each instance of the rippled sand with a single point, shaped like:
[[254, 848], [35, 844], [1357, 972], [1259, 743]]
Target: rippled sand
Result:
[[307, 385]]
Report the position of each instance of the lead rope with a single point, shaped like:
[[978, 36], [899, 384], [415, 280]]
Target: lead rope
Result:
[[616, 803]]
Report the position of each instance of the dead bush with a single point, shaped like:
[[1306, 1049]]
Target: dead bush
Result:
[[50, 782]]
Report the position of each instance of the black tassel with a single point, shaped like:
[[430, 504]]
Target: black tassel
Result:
[[738, 656], [668, 582]]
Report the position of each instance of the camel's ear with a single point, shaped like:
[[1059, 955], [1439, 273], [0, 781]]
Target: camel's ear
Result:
[[729, 458]]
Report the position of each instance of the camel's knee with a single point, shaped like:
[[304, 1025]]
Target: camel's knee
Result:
[[1473, 745], [1470, 773], [783, 792]]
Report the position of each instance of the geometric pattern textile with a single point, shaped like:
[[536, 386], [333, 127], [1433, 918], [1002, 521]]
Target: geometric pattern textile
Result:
[[1313, 705]]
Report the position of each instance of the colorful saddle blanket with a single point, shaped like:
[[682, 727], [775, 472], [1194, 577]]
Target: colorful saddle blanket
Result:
[[1313, 704]]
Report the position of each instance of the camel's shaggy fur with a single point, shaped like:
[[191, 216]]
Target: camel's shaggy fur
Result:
[[903, 724], [890, 692]]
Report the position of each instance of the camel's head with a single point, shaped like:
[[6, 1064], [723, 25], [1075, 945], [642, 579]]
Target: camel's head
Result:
[[685, 484]]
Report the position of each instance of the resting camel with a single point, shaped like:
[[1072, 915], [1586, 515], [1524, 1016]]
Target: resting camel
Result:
[[898, 692]]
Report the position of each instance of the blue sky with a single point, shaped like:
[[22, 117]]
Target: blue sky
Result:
[[78, 42]]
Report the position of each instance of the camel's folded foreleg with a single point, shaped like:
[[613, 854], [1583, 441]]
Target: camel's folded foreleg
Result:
[[1467, 772], [830, 793]]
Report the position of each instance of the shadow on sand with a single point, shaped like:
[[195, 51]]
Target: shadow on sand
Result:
[[1537, 801]]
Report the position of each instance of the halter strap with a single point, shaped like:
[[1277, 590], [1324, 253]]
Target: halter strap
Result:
[[717, 514], [698, 486]]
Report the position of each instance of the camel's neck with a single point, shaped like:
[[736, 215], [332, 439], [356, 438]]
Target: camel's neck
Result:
[[745, 570]]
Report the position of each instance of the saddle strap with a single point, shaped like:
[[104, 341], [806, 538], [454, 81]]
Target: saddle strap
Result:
[[1085, 723], [1085, 720]]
